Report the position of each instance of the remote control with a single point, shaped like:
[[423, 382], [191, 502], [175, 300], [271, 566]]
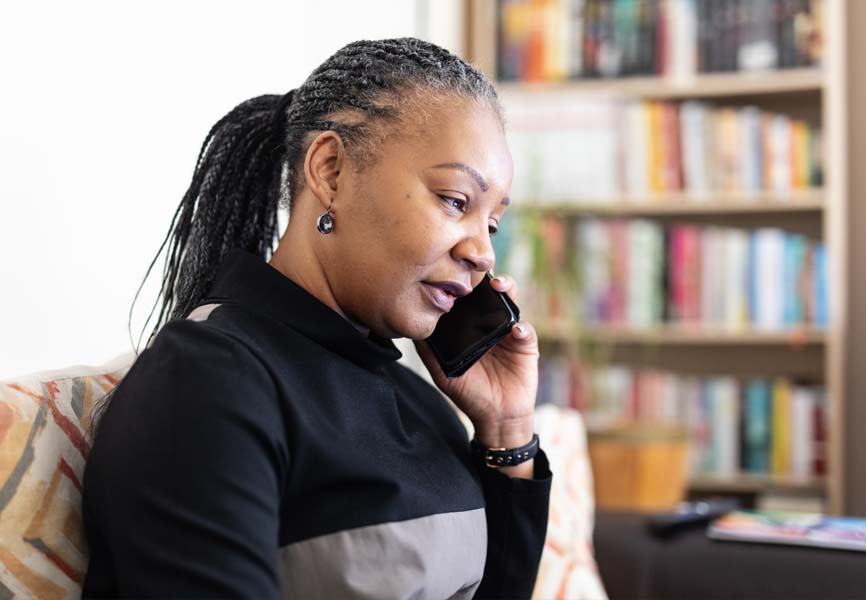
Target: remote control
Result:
[[689, 514]]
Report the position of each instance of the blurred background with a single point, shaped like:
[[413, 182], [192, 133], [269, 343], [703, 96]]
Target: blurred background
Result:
[[689, 221], [685, 225]]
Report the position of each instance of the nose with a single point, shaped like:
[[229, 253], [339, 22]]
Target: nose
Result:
[[475, 250]]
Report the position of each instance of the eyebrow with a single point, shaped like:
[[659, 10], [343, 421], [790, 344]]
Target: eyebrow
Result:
[[478, 177]]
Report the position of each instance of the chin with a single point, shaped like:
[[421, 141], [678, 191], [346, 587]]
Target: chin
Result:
[[419, 326]]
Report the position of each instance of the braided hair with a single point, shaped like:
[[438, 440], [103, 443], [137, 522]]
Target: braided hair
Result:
[[249, 162]]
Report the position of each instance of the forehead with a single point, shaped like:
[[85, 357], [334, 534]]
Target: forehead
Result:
[[461, 133]]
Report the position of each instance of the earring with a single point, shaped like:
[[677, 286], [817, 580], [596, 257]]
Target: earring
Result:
[[325, 224]]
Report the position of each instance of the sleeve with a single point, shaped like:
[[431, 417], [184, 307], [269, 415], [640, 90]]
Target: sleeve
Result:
[[517, 511], [186, 472]]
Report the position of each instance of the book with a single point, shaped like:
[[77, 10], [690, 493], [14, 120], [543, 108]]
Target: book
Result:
[[803, 401], [756, 427], [794, 528], [780, 438], [726, 422], [769, 278]]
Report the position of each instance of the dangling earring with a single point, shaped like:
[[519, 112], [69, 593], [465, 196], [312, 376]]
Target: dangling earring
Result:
[[325, 224]]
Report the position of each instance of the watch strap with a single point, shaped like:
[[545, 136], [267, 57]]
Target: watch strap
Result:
[[505, 457]]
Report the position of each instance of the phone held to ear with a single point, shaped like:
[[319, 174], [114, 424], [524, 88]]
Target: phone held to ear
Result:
[[472, 327]]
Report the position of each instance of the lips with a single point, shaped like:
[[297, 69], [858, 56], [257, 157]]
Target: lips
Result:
[[439, 297]]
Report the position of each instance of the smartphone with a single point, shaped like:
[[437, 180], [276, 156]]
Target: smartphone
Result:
[[472, 327]]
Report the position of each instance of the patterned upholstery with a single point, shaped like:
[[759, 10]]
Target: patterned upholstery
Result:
[[44, 445], [568, 569]]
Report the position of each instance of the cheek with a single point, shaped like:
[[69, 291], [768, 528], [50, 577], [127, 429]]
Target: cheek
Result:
[[418, 237], [404, 235]]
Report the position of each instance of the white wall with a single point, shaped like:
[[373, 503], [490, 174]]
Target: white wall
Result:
[[103, 107]]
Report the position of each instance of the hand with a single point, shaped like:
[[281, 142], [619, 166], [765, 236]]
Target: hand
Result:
[[498, 392]]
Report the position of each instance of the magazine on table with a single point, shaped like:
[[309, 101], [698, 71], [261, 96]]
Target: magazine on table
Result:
[[784, 527]]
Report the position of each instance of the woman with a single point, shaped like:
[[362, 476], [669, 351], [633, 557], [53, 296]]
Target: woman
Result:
[[266, 443]]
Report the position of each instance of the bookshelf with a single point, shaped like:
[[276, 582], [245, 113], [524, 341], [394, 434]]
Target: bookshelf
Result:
[[758, 483], [673, 204], [791, 81], [669, 335], [820, 96]]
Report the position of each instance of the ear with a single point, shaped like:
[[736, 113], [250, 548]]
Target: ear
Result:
[[325, 159]]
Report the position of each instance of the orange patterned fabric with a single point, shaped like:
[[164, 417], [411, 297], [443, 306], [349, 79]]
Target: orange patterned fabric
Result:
[[43, 448], [568, 569]]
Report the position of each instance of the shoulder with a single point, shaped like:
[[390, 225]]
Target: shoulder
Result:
[[200, 357], [194, 381]]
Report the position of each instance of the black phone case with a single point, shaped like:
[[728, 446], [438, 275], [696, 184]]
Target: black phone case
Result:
[[458, 365]]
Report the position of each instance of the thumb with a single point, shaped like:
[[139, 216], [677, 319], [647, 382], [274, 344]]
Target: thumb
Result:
[[522, 339]]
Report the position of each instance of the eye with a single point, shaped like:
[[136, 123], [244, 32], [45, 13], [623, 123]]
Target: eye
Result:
[[458, 203], [493, 229]]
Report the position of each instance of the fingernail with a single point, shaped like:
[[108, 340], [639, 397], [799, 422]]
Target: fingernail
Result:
[[499, 279], [520, 329]]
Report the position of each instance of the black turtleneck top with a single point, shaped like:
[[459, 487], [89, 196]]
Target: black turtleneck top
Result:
[[264, 448]]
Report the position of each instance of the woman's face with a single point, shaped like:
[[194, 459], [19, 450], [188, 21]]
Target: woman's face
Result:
[[422, 215]]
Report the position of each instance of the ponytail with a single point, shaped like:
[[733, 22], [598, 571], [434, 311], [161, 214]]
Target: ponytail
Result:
[[231, 203]]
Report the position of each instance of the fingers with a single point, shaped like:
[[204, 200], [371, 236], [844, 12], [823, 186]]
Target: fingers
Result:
[[507, 284], [524, 333]]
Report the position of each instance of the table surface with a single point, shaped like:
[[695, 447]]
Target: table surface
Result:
[[634, 564]]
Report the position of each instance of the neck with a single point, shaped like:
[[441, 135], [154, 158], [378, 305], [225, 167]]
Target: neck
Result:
[[294, 258]]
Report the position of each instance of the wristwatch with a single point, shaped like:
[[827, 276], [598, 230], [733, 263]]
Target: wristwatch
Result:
[[505, 457]]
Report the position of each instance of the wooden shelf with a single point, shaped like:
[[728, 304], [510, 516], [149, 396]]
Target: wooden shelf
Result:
[[811, 201], [713, 85], [681, 334], [748, 482]]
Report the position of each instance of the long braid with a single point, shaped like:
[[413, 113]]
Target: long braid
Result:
[[234, 183]]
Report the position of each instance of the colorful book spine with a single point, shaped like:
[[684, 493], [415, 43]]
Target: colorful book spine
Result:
[[819, 445], [803, 400], [820, 289], [795, 266], [756, 427], [780, 445]]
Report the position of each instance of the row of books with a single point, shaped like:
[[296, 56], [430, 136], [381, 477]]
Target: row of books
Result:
[[555, 40], [639, 273], [600, 150], [770, 426], [697, 148]]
